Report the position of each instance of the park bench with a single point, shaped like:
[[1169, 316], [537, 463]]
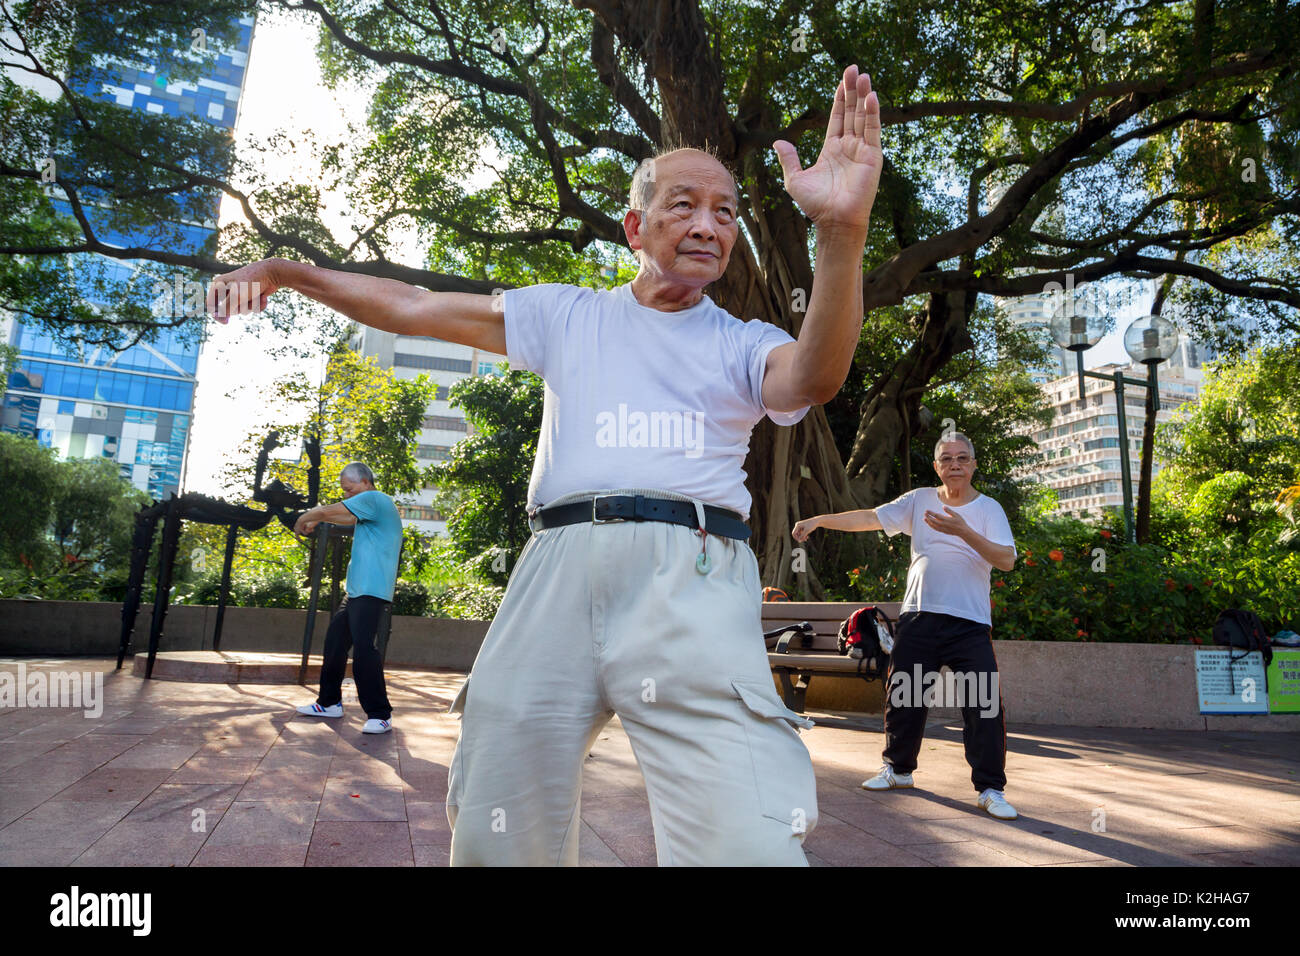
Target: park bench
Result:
[[801, 642]]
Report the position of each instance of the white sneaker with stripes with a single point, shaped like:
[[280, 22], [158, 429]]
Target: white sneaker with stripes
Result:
[[316, 710]]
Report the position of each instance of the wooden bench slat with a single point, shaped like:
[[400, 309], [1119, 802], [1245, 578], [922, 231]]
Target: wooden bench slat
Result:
[[817, 663]]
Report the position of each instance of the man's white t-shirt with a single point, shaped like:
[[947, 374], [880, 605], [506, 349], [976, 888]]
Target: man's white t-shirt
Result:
[[947, 575], [639, 398]]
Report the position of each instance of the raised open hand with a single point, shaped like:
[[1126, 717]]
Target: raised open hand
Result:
[[840, 188]]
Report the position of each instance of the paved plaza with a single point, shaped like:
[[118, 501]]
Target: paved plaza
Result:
[[197, 774]]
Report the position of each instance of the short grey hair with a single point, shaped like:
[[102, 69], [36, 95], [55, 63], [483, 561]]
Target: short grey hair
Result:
[[949, 437], [358, 471], [642, 191]]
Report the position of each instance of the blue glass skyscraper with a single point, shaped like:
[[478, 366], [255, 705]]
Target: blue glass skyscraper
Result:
[[134, 406]]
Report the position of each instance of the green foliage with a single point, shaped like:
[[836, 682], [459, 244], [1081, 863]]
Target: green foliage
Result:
[[361, 412], [410, 597], [276, 589], [471, 601], [1223, 503], [1228, 458], [67, 534], [1061, 589], [30, 471], [488, 472]]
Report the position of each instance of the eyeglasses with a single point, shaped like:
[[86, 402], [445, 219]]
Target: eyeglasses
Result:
[[959, 459]]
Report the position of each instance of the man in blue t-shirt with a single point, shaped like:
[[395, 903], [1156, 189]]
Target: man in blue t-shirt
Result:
[[372, 573]]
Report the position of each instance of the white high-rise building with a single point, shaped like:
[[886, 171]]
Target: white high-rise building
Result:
[[1032, 312], [446, 363]]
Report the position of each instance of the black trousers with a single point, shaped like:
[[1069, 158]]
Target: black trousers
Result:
[[354, 627], [931, 641]]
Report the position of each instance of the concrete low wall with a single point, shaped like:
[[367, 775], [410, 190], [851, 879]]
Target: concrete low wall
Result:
[[85, 628], [1042, 682]]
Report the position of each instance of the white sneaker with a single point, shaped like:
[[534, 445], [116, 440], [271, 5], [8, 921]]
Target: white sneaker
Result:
[[888, 780], [376, 726], [996, 805], [316, 710]]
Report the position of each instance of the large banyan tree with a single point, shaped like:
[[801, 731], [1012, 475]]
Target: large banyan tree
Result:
[[1026, 143]]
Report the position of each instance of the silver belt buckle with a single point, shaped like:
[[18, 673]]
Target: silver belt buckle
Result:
[[594, 519]]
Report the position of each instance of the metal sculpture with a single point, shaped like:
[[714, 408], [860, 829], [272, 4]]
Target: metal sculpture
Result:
[[281, 502]]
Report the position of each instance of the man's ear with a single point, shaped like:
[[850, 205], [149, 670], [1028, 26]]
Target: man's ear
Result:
[[633, 224]]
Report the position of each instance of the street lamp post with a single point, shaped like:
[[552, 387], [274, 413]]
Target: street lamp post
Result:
[[1077, 327], [1149, 341]]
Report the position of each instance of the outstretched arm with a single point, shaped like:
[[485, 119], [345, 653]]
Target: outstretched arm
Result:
[[462, 317], [837, 194], [862, 520]]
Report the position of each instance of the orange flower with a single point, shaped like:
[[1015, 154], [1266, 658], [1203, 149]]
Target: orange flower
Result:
[[1170, 584], [1081, 634], [1056, 555], [999, 583], [1105, 533], [1031, 562]]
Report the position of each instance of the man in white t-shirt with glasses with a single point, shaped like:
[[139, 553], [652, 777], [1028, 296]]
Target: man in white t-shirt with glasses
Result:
[[637, 593], [958, 535]]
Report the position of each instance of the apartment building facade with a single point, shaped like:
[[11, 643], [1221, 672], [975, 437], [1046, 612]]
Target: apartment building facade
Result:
[[1082, 445], [446, 363]]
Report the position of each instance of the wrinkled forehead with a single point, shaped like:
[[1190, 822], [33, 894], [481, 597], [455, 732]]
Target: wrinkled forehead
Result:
[[957, 447], [691, 171]]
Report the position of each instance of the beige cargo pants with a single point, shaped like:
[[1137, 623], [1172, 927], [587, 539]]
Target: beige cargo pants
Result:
[[611, 619]]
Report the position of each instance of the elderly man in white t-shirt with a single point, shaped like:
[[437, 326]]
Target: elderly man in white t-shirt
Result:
[[958, 535], [637, 594]]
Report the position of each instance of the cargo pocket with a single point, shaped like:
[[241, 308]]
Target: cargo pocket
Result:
[[455, 771], [458, 703], [783, 772]]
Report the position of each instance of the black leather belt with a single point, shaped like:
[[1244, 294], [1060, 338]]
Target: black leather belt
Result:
[[604, 509]]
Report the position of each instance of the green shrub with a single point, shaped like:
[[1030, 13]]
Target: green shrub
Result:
[[411, 598], [1076, 581], [278, 589], [469, 601]]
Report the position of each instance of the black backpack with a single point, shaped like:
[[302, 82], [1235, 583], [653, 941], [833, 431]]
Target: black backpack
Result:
[[1237, 628], [868, 637]]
